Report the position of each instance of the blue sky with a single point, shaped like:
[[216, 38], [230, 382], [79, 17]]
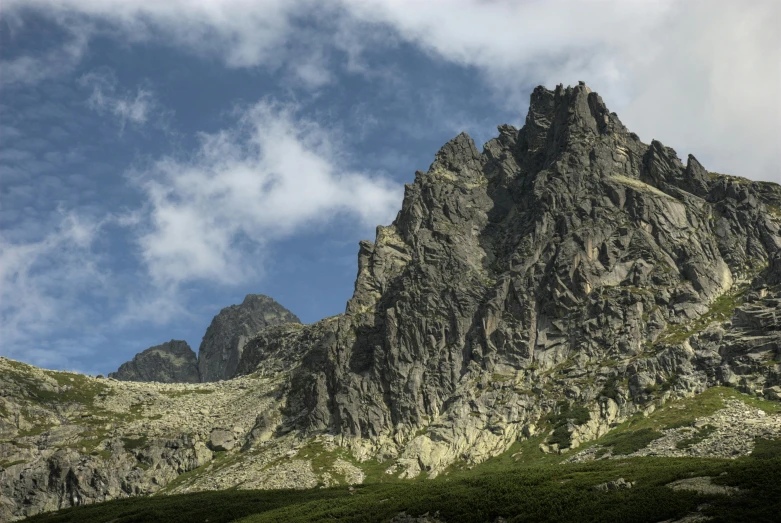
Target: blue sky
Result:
[[160, 160]]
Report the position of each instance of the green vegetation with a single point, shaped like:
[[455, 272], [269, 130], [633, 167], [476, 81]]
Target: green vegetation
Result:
[[767, 449], [720, 310], [698, 436], [516, 492], [623, 443], [186, 392], [610, 390], [6, 464], [522, 484], [578, 415], [134, 443]]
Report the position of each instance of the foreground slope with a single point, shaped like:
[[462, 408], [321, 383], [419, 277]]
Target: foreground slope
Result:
[[549, 289], [523, 484]]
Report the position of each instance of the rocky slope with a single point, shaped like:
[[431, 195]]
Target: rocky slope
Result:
[[563, 280], [171, 362], [224, 341]]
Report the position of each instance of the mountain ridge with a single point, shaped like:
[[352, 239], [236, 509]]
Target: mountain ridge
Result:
[[220, 349]]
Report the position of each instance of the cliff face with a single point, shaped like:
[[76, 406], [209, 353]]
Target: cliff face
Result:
[[566, 256], [224, 341], [171, 362]]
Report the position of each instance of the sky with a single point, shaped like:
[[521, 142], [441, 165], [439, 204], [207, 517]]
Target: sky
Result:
[[161, 160]]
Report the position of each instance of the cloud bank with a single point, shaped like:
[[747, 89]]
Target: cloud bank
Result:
[[700, 75], [270, 176], [205, 218]]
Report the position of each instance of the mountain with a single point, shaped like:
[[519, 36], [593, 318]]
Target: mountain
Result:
[[220, 350], [566, 259], [171, 362], [224, 341], [568, 294]]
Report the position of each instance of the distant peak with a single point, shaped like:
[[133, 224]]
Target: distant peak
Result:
[[249, 298]]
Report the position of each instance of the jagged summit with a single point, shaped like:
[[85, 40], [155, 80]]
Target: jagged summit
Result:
[[229, 331], [561, 245], [220, 350], [170, 362]]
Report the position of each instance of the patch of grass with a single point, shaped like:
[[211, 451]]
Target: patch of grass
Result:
[[610, 389], [577, 414], [685, 411], [775, 210], [35, 430], [6, 464], [720, 310], [561, 437], [624, 443], [700, 435], [670, 382], [766, 449], [132, 444], [180, 393], [90, 441]]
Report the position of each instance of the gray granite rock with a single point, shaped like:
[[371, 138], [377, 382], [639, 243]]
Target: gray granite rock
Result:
[[224, 341], [563, 257], [171, 362]]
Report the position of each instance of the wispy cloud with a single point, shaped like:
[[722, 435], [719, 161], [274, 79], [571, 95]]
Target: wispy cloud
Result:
[[50, 63], [43, 285], [108, 97], [666, 67], [208, 217], [239, 33]]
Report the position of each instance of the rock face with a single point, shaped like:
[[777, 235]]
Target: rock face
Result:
[[224, 341], [566, 262], [171, 362]]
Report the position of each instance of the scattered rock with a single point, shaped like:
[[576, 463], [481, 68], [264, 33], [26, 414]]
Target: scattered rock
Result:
[[619, 483], [221, 440], [703, 485]]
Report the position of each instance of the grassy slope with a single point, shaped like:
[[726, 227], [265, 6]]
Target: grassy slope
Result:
[[520, 485]]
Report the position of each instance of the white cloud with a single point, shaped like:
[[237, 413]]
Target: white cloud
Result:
[[240, 33], [699, 75], [107, 97], [57, 61], [210, 216], [42, 286]]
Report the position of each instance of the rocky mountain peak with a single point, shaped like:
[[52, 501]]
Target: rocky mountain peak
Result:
[[561, 245], [220, 350], [229, 331], [170, 362]]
